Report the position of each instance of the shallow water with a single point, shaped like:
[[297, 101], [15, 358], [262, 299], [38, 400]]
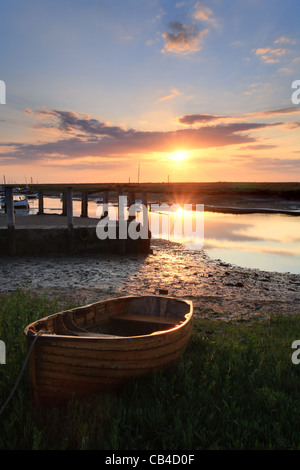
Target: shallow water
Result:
[[269, 242]]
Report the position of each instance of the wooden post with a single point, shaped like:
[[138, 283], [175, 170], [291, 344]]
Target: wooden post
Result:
[[105, 201], [84, 204], [69, 201], [41, 203], [64, 202], [10, 214], [9, 204], [120, 194], [144, 199], [69, 209], [122, 223], [131, 201], [145, 210]]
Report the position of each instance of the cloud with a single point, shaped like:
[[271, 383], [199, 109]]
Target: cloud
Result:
[[272, 112], [174, 92], [279, 164], [284, 40], [258, 147], [70, 121], [205, 14], [270, 55], [81, 137], [191, 119], [183, 39]]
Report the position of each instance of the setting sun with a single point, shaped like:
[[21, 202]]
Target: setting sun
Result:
[[178, 156], [180, 211]]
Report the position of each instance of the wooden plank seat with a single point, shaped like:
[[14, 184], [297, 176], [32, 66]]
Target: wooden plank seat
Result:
[[79, 366], [135, 318], [71, 328], [148, 319]]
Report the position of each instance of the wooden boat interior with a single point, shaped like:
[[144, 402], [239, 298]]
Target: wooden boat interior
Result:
[[120, 317]]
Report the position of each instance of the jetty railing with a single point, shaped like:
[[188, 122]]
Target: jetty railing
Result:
[[72, 236], [67, 204]]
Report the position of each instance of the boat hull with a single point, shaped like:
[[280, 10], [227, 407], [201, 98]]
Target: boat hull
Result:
[[17, 203], [63, 365]]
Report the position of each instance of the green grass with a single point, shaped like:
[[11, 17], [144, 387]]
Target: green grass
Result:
[[235, 387]]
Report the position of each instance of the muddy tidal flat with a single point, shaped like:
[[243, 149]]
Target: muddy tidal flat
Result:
[[218, 290]]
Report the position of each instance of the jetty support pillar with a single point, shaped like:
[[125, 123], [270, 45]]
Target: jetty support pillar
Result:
[[10, 214], [64, 202], [121, 220], [131, 202], [69, 201], [41, 203], [9, 205], [69, 207], [84, 204]]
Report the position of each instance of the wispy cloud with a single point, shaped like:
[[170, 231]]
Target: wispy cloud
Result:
[[205, 14], [199, 119], [285, 40], [270, 55], [173, 93], [191, 119], [258, 147], [81, 138], [273, 163]]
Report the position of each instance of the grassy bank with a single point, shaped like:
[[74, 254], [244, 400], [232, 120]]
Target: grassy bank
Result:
[[186, 190], [235, 387]]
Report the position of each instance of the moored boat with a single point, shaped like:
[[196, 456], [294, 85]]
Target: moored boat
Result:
[[20, 203], [101, 346], [26, 192]]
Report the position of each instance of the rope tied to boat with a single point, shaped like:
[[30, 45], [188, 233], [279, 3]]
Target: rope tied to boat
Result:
[[39, 333]]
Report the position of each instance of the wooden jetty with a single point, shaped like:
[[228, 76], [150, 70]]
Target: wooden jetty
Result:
[[65, 234]]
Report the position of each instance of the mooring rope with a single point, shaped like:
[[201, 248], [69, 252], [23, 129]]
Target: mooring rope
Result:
[[21, 372]]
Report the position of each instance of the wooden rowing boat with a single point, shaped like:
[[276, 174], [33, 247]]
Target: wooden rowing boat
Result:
[[101, 346]]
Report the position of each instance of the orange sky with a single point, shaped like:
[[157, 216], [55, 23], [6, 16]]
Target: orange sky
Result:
[[190, 91]]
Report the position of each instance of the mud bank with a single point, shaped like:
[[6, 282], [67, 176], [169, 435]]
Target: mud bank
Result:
[[217, 289]]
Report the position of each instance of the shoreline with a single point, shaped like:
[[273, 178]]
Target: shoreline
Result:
[[219, 290], [250, 210]]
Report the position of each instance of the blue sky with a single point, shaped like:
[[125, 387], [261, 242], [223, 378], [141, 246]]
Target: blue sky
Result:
[[183, 88]]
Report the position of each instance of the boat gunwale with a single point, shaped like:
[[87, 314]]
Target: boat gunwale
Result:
[[48, 335]]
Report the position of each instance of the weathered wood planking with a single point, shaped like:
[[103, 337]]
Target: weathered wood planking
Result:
[[101, 346]]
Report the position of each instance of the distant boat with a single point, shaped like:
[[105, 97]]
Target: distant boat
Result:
[[99, 200], [26, 192], [21, 203], [101, 346], [138, 204], [31, 195]]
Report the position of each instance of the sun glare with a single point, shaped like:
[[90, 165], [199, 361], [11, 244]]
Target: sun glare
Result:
[[180, 211], [178, 156]]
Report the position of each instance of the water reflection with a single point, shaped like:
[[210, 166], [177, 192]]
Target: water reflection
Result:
[[269, 242], [265, 241]]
